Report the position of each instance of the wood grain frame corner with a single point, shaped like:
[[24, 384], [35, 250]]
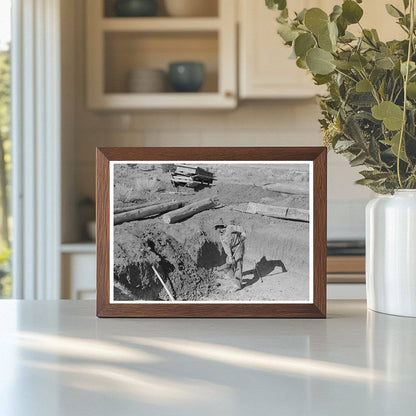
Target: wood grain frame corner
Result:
[[317, 309]]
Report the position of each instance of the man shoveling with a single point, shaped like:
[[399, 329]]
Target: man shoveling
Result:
[[233, 238]]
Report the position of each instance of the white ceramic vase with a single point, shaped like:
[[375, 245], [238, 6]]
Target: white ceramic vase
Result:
[[391, 253]]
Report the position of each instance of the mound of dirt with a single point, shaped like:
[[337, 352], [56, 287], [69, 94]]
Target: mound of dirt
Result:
[[138, 248]]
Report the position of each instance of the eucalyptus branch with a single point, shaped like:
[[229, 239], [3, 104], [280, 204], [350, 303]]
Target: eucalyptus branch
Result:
[[346, 75], [392, 90], [398, 95], [406, 80], [349, 65], [373, 89]]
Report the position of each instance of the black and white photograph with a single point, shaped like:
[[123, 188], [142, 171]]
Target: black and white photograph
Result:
[[211, 232]]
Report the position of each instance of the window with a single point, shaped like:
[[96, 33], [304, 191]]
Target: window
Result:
[[5, 145]]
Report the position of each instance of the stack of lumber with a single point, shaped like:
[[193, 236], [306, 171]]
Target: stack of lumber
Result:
[[191, 176]]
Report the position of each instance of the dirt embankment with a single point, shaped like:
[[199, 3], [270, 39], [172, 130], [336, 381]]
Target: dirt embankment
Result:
[[138, 248]]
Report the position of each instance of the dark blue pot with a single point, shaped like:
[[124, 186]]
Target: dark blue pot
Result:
[[186, 76], [136, 8]]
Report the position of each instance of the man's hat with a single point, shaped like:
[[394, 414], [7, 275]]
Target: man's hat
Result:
[[219, 224]]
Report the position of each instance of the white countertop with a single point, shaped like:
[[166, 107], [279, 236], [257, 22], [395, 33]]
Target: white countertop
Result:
[[57, 359]]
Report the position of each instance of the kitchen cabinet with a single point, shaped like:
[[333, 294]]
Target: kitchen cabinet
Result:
[[265, 70], [116, 46], [78, 263]]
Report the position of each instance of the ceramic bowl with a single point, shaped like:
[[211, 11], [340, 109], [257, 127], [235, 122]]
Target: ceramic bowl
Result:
[[136, 8], [186, 76]]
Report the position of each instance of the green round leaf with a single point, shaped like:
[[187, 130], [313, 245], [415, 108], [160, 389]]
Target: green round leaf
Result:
[[351, 11], [336, 12], [316, 20], [342, 64], [385, 63], [286, 32], [358, 61], [394, 144], [324, 42], [393, 11], [363, 86], [328, 40], [303, 43], [301, 63], [276, 4], [391, 114], [342, 25], [319, 61], [411, 90]]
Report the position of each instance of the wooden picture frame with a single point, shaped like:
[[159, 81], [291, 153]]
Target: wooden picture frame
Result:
[[315, 308]]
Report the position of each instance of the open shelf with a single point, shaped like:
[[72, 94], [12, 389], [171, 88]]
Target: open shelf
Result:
[[80, 247], [127, 51], [160, 24], [116, 46], [194, 101]]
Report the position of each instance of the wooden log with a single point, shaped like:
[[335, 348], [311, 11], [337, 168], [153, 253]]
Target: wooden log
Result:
[[134, 207], [278, 212], [188, 211], [141, 213], [296, 188]]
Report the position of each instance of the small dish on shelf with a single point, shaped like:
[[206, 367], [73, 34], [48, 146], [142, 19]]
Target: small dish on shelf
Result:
[[147, 80], [186, 76], [136, 8]]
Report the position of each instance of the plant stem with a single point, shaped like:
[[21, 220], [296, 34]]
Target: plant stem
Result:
[[373, 89], [406, 80], [345, 75]]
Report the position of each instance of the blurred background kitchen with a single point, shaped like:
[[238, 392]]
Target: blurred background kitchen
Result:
[[157, 73]]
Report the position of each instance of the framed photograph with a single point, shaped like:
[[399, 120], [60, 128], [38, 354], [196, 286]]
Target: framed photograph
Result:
[[211, 232]]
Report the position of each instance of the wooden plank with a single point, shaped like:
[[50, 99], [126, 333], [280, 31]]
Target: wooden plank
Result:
[[295, 188], [273, 211], [188, 210], [185, 170], [267, 210], [346, 264], [298, 214], [141, 213]]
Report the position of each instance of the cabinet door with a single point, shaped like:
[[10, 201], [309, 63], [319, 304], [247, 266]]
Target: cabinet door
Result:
[[265, 68]]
